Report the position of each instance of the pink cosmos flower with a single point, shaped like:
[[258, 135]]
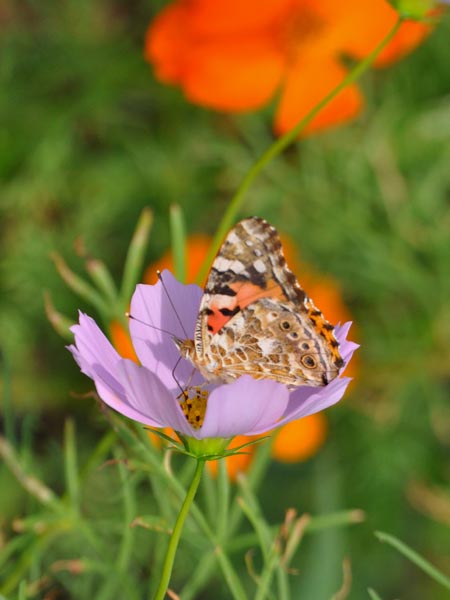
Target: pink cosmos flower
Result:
[[150, 394]]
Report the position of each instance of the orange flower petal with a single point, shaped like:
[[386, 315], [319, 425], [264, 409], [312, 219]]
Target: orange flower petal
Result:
[[236, 71], [235, 74], [369, 22], [308, 83], [166, 43], [232, 55], [223, 17], [299, 440], [410, 35]]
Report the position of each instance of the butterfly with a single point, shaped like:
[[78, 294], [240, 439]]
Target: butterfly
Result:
[[255, 318]]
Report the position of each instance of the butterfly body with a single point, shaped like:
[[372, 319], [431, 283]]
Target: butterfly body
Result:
[[255, 318]]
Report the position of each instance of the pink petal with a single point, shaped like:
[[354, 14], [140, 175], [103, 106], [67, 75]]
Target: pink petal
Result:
[[346, 347], [156, 350], [246, 406], [146, 394], [306, 401], [99, 361]]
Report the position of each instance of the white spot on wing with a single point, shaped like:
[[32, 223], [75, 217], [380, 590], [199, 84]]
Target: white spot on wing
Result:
[[233, 237], [223, 264], [266, 345], [259, 266]]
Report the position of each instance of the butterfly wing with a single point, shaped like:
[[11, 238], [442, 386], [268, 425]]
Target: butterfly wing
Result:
[[270, 340], [251, 293]]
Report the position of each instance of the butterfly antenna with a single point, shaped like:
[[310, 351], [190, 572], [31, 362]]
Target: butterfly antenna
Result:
[[159, 274], [130, 316], [182, 390]]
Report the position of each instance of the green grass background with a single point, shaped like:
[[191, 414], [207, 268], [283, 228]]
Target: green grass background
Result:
[[88, 138]]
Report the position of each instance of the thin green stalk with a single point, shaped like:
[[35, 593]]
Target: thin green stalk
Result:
[[176, 534], [78, 285], [37, 547], [60, 323], [263, 589], [22, 591], [199, 577], [235, 517], [70, 466], [178, 240], [135, 255], [129, 509], [31, 484], [254, 479], [152, 458], [209, 496], [8, 415], [98, 454], [412, 555], [103, 279], [284, 590], [279, 145], [373, 595], [122, 561], [223, 498], [269, 544]]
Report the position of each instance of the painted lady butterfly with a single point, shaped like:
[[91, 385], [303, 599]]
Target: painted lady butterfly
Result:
[[255, 318]]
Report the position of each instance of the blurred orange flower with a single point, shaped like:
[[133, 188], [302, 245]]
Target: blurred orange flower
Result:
[[300, 439], [196, 251], [234, 55]]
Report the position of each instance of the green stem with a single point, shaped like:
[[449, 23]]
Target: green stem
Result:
[[415, 558], [279, 145], [176, 534]]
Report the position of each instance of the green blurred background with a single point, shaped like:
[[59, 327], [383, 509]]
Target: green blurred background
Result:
[[88, 138]]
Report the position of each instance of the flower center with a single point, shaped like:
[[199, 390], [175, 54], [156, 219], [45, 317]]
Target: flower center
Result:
[[299, 30], [195, 400]]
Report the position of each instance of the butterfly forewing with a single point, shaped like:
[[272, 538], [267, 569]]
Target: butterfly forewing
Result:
[[255, 318]]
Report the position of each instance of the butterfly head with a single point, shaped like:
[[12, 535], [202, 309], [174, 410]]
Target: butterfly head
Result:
[[186, 348]]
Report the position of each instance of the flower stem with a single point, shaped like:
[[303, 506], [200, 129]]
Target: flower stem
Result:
[[281, 143], [176, 534]]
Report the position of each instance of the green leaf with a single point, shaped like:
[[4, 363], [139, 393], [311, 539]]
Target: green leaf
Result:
[[414, 557]]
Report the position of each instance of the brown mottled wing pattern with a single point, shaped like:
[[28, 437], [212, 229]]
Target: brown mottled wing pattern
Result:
[[255, 318]]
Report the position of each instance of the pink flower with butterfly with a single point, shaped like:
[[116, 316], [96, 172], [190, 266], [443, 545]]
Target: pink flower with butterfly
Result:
[[212, 389]]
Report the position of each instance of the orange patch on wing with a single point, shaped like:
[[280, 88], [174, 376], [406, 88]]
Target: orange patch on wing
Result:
[[324, 329], [247, 293], [216, 320]]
